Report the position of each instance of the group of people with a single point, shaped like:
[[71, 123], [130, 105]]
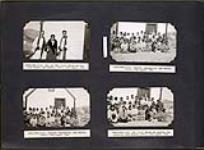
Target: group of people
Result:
[[140, 109], [51, 49], [140, 41], [50, 117]]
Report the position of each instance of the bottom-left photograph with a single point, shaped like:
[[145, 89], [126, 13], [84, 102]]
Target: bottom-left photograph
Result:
[[55, 109]]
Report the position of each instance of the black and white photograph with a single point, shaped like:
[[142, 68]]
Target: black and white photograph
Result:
[[56, 41], [140, 107], [56, 108], [143, 42]]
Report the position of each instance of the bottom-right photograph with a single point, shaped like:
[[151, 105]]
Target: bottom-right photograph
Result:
[[140, 107]]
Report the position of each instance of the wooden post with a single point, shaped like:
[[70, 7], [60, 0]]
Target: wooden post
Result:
[[41, 26], [160, 94], [26, 98], [74, 101], [166, 29], [116, 29]]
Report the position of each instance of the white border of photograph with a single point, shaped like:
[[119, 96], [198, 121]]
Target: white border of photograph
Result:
[[143, 42], [69, 50], [138, 52], [140, 107], [56, 112], [116, 97]]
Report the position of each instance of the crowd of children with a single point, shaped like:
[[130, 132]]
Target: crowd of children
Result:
[[140, 41], [50, 117], [141, 109]]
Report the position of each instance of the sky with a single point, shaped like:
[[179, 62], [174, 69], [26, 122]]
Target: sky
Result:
[[43, 96], [133, 27], [123, 92]]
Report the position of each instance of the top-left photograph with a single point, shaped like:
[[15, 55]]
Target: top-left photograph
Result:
[[56, 41]]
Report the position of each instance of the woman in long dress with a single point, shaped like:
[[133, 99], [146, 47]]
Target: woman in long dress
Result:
[[52, 48]]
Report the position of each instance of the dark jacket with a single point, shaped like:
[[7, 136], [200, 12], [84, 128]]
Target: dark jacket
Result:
[[52, 47], [52, 50]]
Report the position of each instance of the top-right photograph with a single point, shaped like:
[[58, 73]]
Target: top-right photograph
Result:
[[143, 42]]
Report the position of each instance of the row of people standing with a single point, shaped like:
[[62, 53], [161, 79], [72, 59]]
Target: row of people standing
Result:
[[51, 49]]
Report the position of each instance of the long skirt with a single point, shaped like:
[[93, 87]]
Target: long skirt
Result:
[[51, 55]]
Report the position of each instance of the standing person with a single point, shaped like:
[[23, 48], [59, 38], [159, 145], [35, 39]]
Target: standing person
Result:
[[147, 114], [63, 45], [159, 37], [123, 114], [124, 46], [73, 118], [112, 114], [39, 46], [116, 44], [141, 35], [41, 121], [133, 45], [154, 44], [160, 106], [134, 112], [129, 112], [137, 36], [132, 37], [52, 48], [121, 36], [33, 121]]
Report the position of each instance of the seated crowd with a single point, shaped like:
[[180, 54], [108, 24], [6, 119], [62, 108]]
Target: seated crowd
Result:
[[50, 117], [141, 41], [141, 109]]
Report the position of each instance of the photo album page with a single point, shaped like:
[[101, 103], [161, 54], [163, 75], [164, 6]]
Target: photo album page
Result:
[[102, 75]]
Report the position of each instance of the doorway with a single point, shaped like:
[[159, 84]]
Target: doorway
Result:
[[59, 102], [143, 92], [151, 28]]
